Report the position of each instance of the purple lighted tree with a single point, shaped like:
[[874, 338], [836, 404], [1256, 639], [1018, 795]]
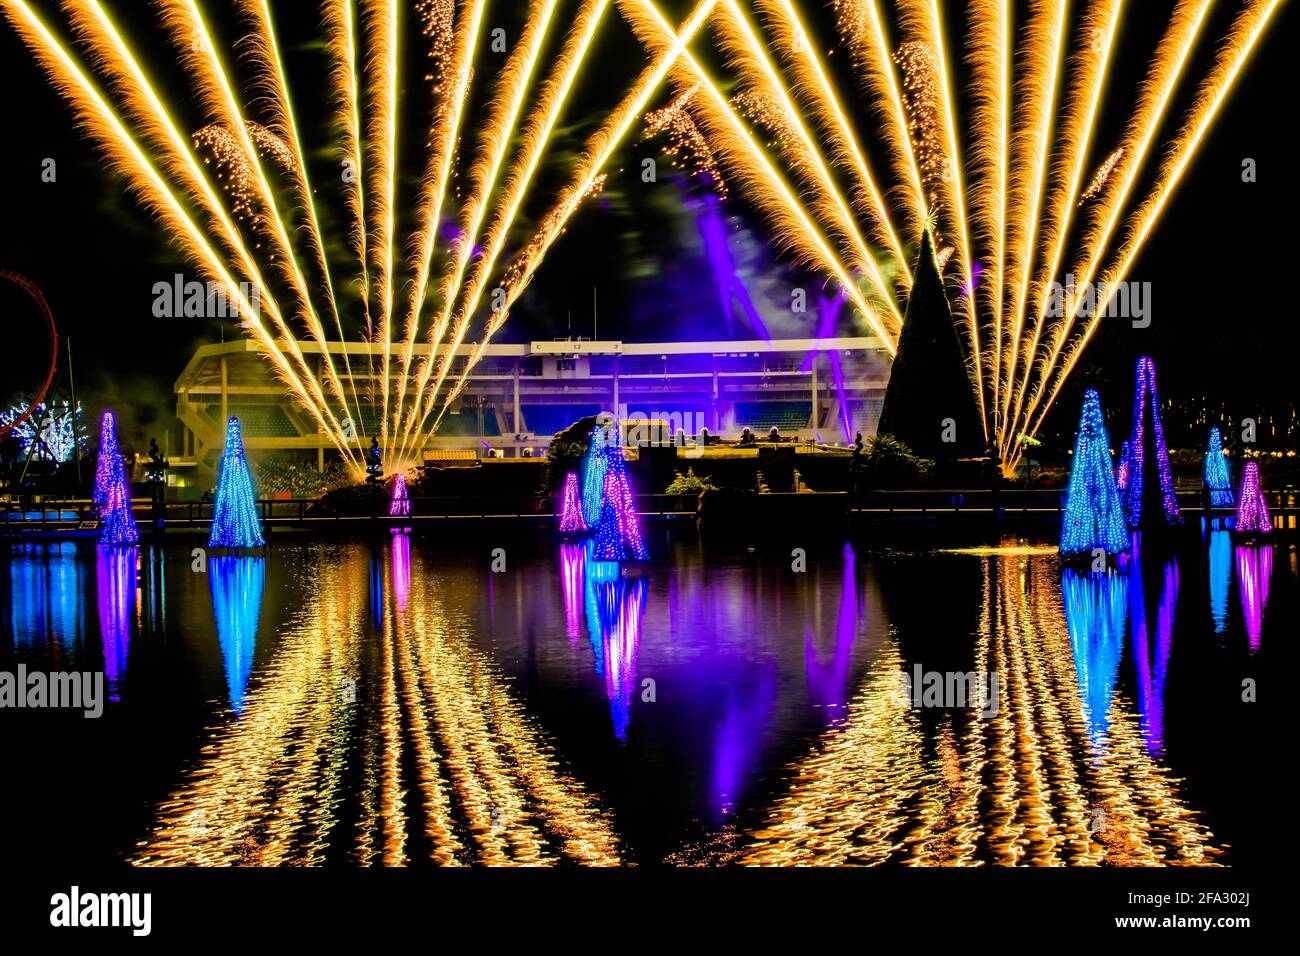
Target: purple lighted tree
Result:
[[117, 523], [108, 456], [399, 502], [1148, 456], [1252, 511], [618, 535], [571, 507]]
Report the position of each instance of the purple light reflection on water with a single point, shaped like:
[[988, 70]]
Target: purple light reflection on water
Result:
[[115, 579], [1254, 568], [401, 569], [1152, 670]]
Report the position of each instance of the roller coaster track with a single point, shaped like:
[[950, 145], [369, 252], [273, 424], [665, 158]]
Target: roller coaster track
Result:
[[39, 298]]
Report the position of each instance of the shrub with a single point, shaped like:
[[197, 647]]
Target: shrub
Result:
[[689, 484], [890, 463]]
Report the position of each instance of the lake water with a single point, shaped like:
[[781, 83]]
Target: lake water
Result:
[[400, 701]]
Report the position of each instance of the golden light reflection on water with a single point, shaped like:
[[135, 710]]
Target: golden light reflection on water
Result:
[[1027, 786], [397, 707]]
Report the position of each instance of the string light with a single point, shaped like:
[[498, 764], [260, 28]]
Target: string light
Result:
[[1146, 399], [107, 455], [594, 464], [1216, 473], [112, 493], [399, 502], [234, 515], [618, 535], [1094, 513], [571, 507], [1252, 511]]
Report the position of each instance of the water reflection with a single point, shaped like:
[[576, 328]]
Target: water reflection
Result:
[[1096, 605], [237, 584], [382, 739], [1220, 562], [1254, 568], [44, 604], [1152, 663], [614, 607], [1029, 785], [115, 583]]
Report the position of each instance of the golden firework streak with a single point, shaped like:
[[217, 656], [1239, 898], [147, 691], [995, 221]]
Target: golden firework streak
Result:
[[1170, 59], [433, 193], [534, 139], [811, 78], [190, 33], [597, 153], [1040, 90], [1246, 31], [126, 156]]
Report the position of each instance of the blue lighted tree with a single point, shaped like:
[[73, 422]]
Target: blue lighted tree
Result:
[[594, 465], [1217, 480], [234, 514], [1094, 513]]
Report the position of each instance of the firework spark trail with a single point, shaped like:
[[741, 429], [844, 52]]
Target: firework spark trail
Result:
[[922, 18], [1157, 91], [1245, 34], [502, 116], [1101, 177], [382, 133], [190, 33], [1037, 89], [1074, 140], [536, 134], [90, 22], [811, 79], [685, 142], [267, 56], [990, 60], [861, 24], [341, 44], [126, 156], [741, 42], [445, 132]]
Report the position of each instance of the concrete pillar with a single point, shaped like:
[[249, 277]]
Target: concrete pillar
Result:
[[816, 412], [615, 408], [518, 429]]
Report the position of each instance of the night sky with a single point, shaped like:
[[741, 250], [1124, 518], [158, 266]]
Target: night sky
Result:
[[1223, 320]]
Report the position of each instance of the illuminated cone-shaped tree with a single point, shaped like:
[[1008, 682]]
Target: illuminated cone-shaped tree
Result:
[[571, 521], [1216, 473], [1094, 514], [117, 523], [108, 456], [234, 514], [594, 464], [399, 502], [1252, 510], [618, 535], [929, 402], [1150, 488]]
